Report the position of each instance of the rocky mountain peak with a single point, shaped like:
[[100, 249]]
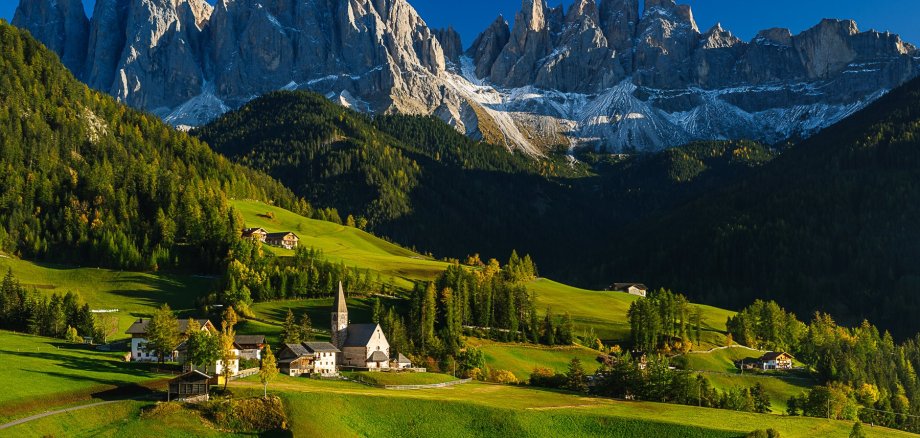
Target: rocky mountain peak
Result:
[[618, 19], [583, 10], [717, 38], [61, 25], [451, 43], [776, 35], [488, 46], [601, 74]]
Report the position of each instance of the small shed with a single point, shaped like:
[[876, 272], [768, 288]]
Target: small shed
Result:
[[400, 362], [192, 386]]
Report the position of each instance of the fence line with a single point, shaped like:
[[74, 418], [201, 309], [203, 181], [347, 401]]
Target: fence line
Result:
[[245, 373], [430, 386]]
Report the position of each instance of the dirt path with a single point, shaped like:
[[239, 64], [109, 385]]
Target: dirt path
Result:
[[55, 412]]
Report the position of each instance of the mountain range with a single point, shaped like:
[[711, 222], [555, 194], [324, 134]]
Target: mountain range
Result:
[[609, 75]]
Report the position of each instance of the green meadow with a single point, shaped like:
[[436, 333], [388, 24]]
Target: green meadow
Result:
[[480, 410], [132, 293], [521, 359], [41, 372], [719, 367]]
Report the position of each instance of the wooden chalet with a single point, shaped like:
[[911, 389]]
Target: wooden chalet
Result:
[[255, 234], [775, 360], [286, 240], [191, 386], [308, 358], [250, 346]]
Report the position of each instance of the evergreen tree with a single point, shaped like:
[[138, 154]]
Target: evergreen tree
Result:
[[549, 328], [576, 378], [565, 331], [290, 332], [306, 328]]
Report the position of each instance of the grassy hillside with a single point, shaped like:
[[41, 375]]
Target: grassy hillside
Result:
[[471, 410], [132, 293], [521, 359], [121, 419], [38, 373], [719, 367], [477, 409], [340, 243], [605, 312]]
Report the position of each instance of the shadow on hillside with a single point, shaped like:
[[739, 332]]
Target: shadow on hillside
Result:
[[104, 365]]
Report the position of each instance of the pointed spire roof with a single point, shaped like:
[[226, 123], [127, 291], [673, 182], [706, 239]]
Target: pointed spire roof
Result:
[[339, 305]]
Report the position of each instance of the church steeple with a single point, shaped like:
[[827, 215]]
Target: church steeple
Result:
[[339, 318]]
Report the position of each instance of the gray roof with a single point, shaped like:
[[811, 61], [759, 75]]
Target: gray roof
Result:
[[379, 356], [249, 339], [297, 349], [339, 305], [191, 376], [140, 326], [359, 335], [402, 359], [320, 347]]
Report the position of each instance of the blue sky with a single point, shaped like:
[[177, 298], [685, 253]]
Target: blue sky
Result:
[[744, 18]]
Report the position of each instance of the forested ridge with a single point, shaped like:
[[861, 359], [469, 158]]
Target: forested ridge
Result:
[[421, 183], [87, 180], [830, 225]]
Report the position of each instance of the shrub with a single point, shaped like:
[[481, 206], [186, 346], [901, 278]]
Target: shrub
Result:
[[760, 433], [248, 415], [161, 409], [546, 378], [503, 376]]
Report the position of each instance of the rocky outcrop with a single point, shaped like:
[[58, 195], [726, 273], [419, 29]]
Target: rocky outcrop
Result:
[[596, 74], [61, 25], [618, 19], [665, 40], [530, 42], [581, 60], [450, 42], [488, 46]]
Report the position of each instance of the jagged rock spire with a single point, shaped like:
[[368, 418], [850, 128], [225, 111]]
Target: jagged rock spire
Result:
[[60, 25]]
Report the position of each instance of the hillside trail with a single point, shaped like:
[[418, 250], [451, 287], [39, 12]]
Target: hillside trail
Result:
[[56, 412]]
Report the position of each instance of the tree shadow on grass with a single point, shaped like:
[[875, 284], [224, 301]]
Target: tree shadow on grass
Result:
[[86, 364]]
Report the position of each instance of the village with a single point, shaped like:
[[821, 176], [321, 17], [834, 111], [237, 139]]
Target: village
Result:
[[353, 347]]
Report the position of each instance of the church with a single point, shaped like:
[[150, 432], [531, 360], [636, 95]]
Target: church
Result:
[[360, 345]]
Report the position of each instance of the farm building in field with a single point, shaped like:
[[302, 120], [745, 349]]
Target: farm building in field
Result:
[[250, 346], [775, 361], [255, 234], [308, 358], [191, 386], [286, 240], [637, 289], [361, 345]]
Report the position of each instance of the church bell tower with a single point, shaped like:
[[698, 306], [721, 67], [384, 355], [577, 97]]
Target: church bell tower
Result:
[[339, 319]]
